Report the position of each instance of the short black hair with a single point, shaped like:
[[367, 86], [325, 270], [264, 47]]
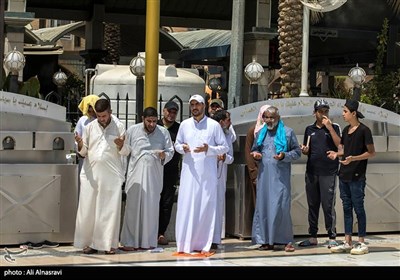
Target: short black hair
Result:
[[150, 112], [220, 115], [102, 105]]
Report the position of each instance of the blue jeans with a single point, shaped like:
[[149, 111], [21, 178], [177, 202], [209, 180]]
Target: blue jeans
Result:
[[352, 195]]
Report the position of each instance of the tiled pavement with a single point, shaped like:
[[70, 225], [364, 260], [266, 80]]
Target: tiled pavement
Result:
[[384, 251]]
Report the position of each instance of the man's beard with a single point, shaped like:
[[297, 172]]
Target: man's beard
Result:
[[272, 126], [149, 129], [196, 113]]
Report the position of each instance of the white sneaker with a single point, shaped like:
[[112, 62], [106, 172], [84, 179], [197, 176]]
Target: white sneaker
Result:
[[342, 248], [359, 249]]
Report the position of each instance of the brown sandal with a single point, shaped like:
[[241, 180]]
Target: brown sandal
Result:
[[289, 248], [127, 248], [266, 247], [89, 250], [111, 252]]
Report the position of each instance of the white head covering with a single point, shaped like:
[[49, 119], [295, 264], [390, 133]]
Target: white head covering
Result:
[[260, 122], [198, 98]]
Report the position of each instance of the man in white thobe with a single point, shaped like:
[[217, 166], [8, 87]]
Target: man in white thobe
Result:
[[151, 148], [102, 175], [224, 119], [200, 140]]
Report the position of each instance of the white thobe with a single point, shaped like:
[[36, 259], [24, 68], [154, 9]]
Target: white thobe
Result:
[[232, 133], [222, 172], [102, 175], [80, 126], [144, 184], [197, 199]]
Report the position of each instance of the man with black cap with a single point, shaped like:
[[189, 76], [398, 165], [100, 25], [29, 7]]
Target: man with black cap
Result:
[[171, 171], [357, 146], [320, 177], [215, 105], [218, 105]]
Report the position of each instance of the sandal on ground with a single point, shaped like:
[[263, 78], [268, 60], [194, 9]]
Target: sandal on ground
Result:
[[89, 250], [289, 248], [266, 247], [111, 252], [214, 246], [332, 243], [307, 243], [127, 248]]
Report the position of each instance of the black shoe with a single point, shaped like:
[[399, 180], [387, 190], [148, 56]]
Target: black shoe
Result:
[[89, 250], [214, 246], [49, 244], [266, 247], [31, 245]]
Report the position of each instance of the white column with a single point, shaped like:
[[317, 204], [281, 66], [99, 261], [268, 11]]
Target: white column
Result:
[[304, 59]]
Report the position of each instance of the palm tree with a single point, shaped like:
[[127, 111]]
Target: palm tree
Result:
[[290, 41], [290, 28], [395, 5], [112, 42]]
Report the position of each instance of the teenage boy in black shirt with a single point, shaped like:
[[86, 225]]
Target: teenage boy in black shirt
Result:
[[319, 138], [358, 146]]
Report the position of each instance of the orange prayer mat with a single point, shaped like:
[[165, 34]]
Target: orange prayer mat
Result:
[[194, 255]]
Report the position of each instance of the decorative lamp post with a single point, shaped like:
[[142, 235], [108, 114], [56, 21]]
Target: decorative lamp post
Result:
[[321, 6], [14, 62], [60, 79], [357, 75], [214, 84], [137, 67], [253, 73]]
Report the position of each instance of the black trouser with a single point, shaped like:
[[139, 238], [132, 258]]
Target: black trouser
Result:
[[166, 202], [321, 190]]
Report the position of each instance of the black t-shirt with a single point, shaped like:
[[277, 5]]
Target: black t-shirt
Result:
[[172, 165], [321, 142], [355, 144]]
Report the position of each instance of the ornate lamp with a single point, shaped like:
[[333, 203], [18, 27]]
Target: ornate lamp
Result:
[[215, 85], [137, 67], [317, 6], [253, 72], [357, 75], [60, 79], [14, 62]]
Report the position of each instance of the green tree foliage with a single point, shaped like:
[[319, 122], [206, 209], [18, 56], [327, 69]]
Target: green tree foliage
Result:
[[382, 89], [340, 91], [31, 88], [74, 87]]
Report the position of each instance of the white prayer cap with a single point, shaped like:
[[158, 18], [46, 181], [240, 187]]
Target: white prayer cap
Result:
[[198, 98]]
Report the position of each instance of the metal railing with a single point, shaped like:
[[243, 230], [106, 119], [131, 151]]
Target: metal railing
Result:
[[117, 105]]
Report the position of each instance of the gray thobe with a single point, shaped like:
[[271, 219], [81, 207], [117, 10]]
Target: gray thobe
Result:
[[144, 184], [272, 223]]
